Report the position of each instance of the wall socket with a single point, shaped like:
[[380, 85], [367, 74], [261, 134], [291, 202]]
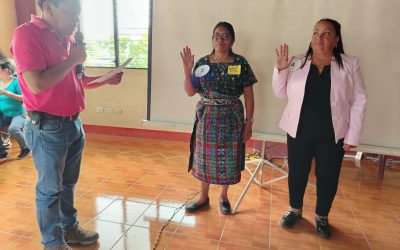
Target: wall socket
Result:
[[99, 110], [358, 155], [108, 110]]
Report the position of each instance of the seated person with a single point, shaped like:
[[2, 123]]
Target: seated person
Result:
[[12, 114]]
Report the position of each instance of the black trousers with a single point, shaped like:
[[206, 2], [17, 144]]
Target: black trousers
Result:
[[328, 160]]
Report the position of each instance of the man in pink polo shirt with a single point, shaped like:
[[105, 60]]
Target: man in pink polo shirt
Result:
[[46, 57]]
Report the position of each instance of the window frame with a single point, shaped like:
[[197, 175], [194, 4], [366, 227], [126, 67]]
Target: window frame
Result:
[[116, 39]]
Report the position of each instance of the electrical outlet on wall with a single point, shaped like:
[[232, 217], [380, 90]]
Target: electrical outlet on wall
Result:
[[358, 155], [99, 109]]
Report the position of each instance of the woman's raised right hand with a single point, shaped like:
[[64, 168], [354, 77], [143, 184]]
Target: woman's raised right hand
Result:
[[187, 60], [282, 57]]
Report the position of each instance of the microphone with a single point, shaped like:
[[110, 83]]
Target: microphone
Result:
[[79, 40]]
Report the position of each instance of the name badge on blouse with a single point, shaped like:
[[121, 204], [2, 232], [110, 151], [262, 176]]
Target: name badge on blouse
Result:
[[295, 65], [202, 70], [234, 69]]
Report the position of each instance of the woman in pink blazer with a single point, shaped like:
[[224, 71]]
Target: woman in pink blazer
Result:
[[323, 117]]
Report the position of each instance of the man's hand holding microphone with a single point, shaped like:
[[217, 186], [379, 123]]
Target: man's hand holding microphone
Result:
[[78, 53]]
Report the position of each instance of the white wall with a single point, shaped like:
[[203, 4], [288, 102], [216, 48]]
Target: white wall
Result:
[[369, 28]]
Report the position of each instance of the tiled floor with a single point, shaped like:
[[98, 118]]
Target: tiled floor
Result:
[[130, 187]]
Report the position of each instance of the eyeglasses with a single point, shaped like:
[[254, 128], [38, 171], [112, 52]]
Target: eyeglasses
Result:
[[223, 37], [324, 34]]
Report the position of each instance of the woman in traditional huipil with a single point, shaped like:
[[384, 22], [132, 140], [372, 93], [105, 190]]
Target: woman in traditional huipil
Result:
[[221, 129]]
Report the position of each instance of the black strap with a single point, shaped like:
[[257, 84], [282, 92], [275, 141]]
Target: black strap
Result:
[[193, 144]]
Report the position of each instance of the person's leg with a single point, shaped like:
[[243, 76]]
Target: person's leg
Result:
[[205, 187], [328, 162], [202, 202], [71, 175], [16, 130], [73, 232], [49, 150], [224, 205], [4, 122], [300, 154], [224, 193]]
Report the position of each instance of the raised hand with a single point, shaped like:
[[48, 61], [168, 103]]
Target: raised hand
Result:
[[282, 57], [187, 60]]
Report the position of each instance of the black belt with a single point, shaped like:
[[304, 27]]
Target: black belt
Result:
[[46, 116]]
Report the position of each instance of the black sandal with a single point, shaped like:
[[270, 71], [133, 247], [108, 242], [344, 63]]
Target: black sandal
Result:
[[225, 207], [193, 206]]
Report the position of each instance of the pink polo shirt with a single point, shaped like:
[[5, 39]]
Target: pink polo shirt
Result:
[[35, 46]]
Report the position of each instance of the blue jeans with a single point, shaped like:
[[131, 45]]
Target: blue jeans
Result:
[[15, 128], [57, 152]]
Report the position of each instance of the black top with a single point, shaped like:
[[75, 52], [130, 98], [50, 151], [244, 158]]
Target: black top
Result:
[[315, 117]]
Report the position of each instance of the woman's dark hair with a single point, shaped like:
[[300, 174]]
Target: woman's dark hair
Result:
[[231, 31], [338, 49], [6, 64]]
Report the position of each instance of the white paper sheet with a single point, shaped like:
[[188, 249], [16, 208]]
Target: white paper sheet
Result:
[[110, 74]]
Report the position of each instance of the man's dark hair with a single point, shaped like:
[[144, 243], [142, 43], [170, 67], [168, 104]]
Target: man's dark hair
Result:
[[55, 2]]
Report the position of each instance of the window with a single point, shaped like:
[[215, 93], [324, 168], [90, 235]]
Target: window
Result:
[[116, 30]]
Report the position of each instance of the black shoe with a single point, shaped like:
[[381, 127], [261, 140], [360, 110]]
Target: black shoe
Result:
[[5, 137], [290, 218], [225, 207], [4, 156], [193, 206], [24, 153], [323, 228]]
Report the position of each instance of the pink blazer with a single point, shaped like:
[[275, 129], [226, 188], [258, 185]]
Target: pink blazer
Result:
[[348, 97]]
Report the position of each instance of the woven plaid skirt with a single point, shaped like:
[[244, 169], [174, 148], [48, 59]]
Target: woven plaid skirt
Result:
[[217, 151]]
